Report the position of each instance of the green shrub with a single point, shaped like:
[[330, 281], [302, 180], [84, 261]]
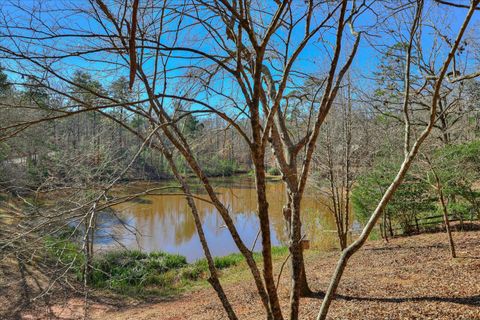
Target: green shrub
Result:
[[216, 167], [165, 280], [274, 171], [228, 261], [195, 271], [67, 253], [279, 251], [133, 272], [118, 269], [175, 261], [412, 199]]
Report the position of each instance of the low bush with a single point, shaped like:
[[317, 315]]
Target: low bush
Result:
[[133, 272], [228, 261], [274, 171], [119, 270], [217, 167], [66, 253], [195, 271]]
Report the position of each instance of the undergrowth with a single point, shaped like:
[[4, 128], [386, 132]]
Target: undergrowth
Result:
[[132, 272]]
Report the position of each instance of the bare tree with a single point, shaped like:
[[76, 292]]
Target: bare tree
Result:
[[339, 159], [437, 185], [411, 149], [156, 40]]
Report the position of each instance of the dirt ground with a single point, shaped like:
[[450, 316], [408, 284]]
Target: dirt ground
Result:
[[408, 278]]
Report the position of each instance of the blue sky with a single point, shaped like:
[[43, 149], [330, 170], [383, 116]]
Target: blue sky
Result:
[[314, 59]]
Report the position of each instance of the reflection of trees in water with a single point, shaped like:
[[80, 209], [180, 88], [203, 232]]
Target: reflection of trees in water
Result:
[[166, 219]]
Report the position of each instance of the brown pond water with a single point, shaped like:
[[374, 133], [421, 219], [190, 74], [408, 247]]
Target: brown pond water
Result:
[[165, 223]]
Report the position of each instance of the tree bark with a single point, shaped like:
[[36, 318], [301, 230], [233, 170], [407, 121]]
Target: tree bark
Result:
[[443, 205], [263, 214]]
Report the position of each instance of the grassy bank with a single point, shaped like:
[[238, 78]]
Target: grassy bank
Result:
[[407, 278], [140, 274]]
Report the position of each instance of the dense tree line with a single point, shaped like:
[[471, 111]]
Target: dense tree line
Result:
[[41, 155]]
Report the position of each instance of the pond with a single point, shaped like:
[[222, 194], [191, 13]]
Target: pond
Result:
[[165, 223]]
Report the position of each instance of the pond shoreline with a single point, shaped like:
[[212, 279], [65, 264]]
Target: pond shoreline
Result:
[[236, 174], [163, 221], [408, 278]]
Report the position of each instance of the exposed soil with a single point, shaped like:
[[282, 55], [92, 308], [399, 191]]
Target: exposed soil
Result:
[[408, 278]]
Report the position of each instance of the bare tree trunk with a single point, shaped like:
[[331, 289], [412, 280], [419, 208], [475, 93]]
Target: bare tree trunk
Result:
[[447, 222], [299, 275], [262, 204], [213, 279], [88, 242], [383, 227], [409, 157], [299, 281], [390, 227], [443, 205], [335, 195], [347, 181]]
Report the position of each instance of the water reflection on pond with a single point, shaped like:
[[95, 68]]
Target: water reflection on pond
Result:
[[164, 222]]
